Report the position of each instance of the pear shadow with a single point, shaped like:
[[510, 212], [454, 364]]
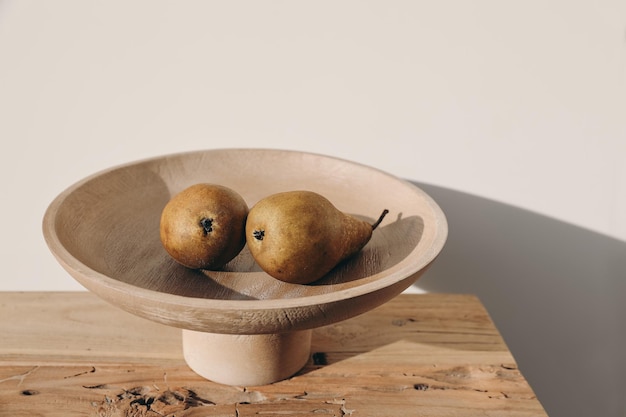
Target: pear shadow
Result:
[[388, 246]]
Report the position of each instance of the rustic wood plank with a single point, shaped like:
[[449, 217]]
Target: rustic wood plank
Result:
[[71, 354]]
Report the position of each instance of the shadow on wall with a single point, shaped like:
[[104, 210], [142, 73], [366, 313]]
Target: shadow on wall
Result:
[[556, 292]]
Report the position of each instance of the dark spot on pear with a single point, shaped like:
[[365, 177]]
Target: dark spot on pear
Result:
[[207, 225]]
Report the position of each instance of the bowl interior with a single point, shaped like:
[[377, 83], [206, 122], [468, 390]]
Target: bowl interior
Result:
[[105, 229]]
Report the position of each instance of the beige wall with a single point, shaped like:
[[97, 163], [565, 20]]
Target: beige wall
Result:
[[521, 102]]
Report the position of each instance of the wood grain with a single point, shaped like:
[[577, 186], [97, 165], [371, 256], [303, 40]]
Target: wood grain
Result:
[[71, 354]]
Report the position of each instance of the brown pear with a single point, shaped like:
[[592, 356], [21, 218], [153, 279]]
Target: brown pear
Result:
[[300, 236], [203, 226]]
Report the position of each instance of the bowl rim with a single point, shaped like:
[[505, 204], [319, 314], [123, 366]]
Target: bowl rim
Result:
[[92, 279]]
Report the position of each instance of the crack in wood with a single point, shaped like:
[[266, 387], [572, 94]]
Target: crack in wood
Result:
[[142, 400], [297, 406], [20, 377], [402, 322], [149, 400], [91, 371], [29, 392], [342, 403], [99, 386]]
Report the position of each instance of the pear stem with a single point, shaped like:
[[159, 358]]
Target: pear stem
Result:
[[380, 219]]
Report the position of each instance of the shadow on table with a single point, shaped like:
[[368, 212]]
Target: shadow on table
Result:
[[556, 292]]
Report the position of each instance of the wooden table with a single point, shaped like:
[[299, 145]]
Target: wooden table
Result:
[[71, 354]]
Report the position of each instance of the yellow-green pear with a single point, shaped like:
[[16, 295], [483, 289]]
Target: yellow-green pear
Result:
[[300, 236], [203, 226]]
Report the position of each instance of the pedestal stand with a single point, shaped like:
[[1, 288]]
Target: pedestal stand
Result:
[[246, 360]]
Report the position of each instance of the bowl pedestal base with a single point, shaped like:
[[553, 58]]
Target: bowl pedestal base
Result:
[[246, 360]]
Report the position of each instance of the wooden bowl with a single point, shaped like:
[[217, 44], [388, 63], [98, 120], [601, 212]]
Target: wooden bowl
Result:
[[240, 325]]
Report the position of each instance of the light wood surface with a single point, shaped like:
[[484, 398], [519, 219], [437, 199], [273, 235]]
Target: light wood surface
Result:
[[72, 354]]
